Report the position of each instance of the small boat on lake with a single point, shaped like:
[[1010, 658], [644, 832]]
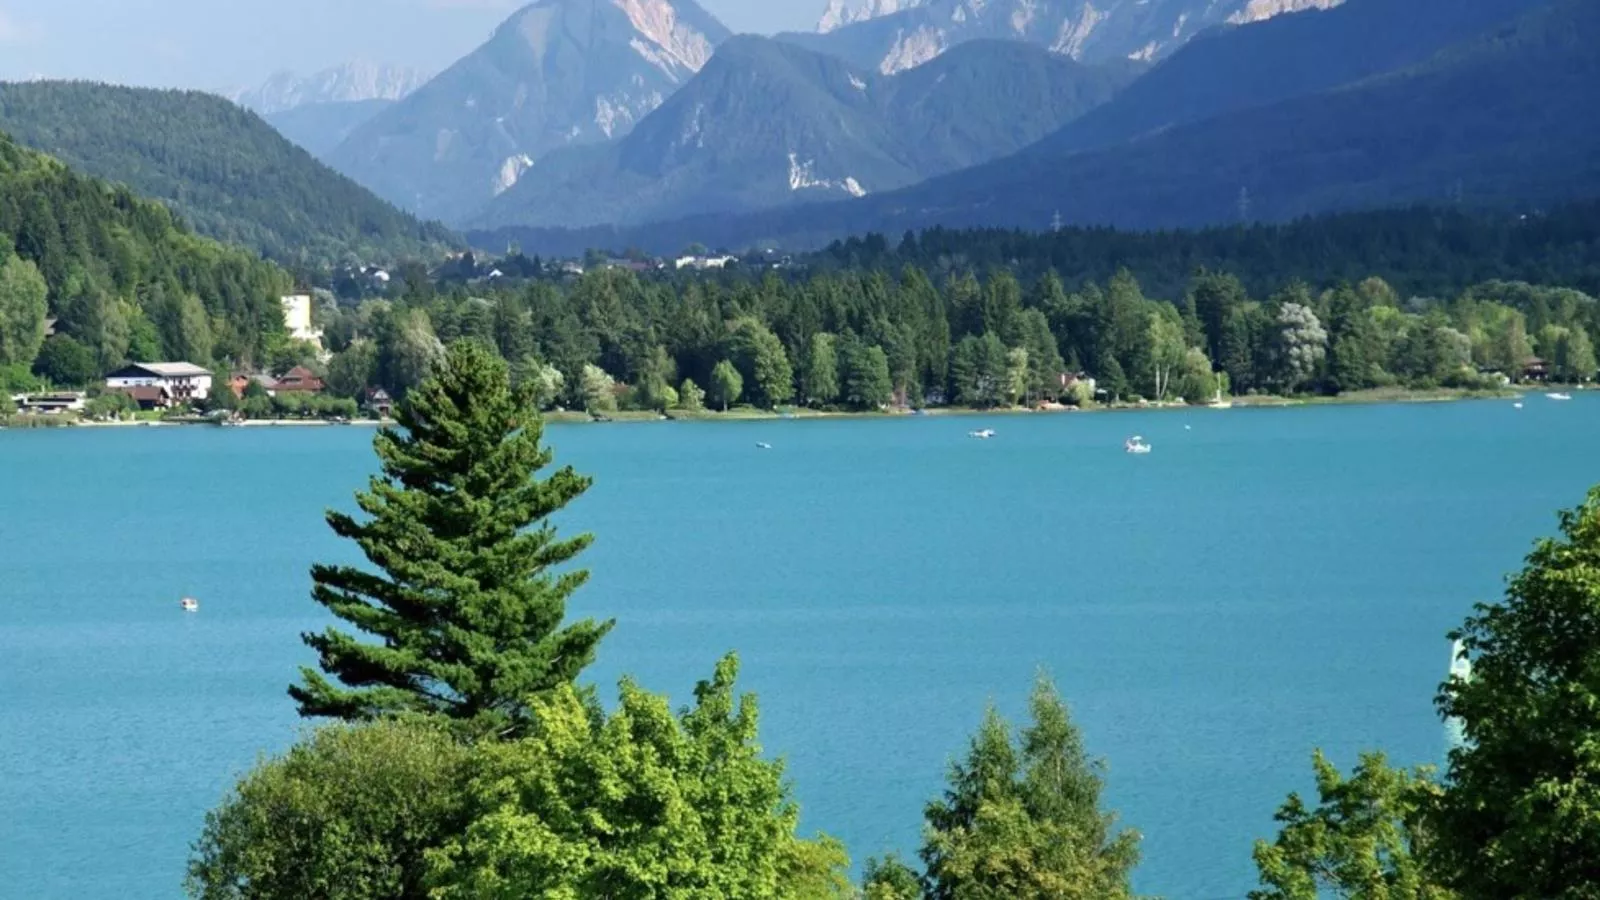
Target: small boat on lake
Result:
[[1136, 445], [189, 604], [1559, 396], [983, 435], [763, 445]]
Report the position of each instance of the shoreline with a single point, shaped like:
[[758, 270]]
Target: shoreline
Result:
[[1376, 397]]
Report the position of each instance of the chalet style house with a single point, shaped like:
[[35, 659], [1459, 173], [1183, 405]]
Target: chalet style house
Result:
[[181, 382]]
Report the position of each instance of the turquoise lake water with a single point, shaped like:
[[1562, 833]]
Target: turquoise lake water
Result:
[[1265, 582]]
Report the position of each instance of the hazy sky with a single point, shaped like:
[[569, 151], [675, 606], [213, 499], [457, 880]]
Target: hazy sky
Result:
[[219, 44]]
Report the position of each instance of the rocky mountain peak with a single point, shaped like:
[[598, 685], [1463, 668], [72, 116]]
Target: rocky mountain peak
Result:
[[356, 81], [895, 35], [846, 12], [557, 73]]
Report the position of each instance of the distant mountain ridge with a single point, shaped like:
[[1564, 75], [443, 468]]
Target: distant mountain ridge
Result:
[[1498, 120], [352, 82], [226, 172], [322, 127], [717, 145], [894, 35], [557, 73]]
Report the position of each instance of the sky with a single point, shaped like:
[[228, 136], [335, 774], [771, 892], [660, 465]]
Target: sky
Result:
[[221, 45]]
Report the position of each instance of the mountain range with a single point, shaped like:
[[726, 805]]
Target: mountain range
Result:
[[644, 123], [1477, 102], [716, 146], [556, 74], [895, 35], [224, 170]]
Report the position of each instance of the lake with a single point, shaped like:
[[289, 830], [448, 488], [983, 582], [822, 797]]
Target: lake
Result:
[[1264, 583]]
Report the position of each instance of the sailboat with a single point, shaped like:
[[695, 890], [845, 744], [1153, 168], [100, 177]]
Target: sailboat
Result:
[[1218, 402]]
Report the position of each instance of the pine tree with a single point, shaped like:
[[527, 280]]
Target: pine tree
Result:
[[465, 602]]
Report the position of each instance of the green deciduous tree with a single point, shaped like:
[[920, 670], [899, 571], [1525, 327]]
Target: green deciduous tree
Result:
[[348, 814], [1021, 819], [978, 369], [1195, 381], [762, 362], [181, 321], [353, 369], [867, 382], [1301, 345], [691, 397], [64, 361], [1521, 816], [726, 385], [1365, 840], [407, 349], [466, 599], [22, 309], [1017, 372], [599, 390], [1166, 355], [639, 803], [1574, 357], [890, 879], [820, 378]]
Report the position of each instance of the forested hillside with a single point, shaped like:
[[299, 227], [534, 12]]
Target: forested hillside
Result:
[[226, 172], [123, 280]]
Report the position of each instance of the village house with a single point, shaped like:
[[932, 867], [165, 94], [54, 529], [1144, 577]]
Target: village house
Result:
[[299, 380], [183, 382], [378, 402], [148, 397], [242, 380], [705, 262]]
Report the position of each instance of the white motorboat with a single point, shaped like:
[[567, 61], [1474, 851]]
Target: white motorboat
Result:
[[983, 435], [189, 604], [1559, 396], [1136, 444], [1517, 405], [763, 445]]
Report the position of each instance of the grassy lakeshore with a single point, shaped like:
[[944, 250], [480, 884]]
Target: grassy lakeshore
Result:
[[751, 414], [1263, 401]]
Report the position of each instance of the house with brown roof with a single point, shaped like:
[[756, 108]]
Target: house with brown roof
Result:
[[299, 380], [146, 396]]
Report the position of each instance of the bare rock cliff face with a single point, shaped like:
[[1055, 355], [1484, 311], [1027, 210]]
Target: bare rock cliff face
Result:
[[558, 73], [895, 35]]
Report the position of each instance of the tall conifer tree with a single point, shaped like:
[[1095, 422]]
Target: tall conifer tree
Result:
[[470, 591]]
